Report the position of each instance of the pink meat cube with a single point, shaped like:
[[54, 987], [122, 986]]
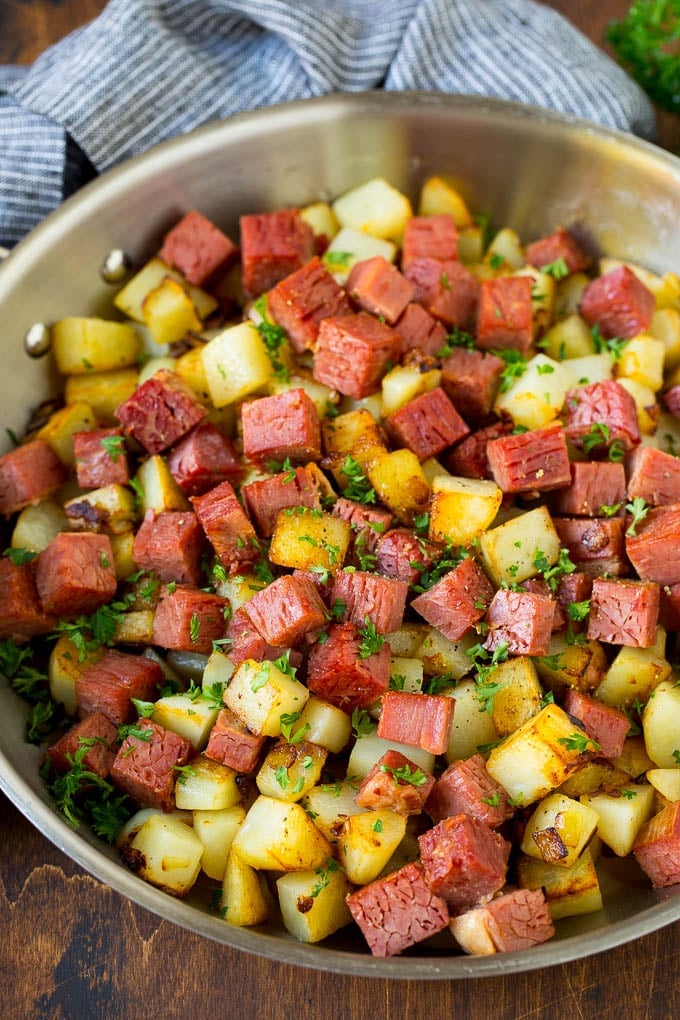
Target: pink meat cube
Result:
[[266, 497], [145, 769], [618, 303], [76, 573], [286, 610], [465, 787], [160, 411], [101, 458], [595, 484], [188, 619], [653, 476], [624, 612], [370, 597], [21, 614], [419, 331], [228, 529], [171, 544], [285, 425], [595, 545], [446, 289], [600, 415], [273, 245], [469, 459], [457, 601], [339, 671], [505, 319], [386, 788], [202, 459], [654, 549], [367, 522], [398, 911], [28, 474], [232, 744], [531, 461], [558, 246], [379, 288], [506, 924], [605, 725], [198, 249], [96, 729], [463, 860], [433, 237], [403, 555], [352, 353], [246, 642], [423, 720], [108, 686], [471, 380], [300, 301], [657, 847], [522, 620], [427, 424]]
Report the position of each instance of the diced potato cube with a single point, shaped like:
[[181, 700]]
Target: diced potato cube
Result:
[[243, 899], [189, 367], [635, 673], [130, 299], [558, 830], [568, 891], [238, 588], [406, 674], [289, 771], [400, 483], [321, 219], [581, 666], [568, 338], [123, 547], [472, 730], [590, 368], [661, 725], [369, 748], [593, 776], [309, 540], [568, 294], [37, 525], [508, 551], [206, 785], [374, 207], [218, 671], [192, 717], [66, 664], [470, 245], [156, 364], [112, 506], [642, 359], [542, 296], [405, 382], [621, 817], [634, 760], [320, 395], [167, 853], [442, 657], [438, 197], [519, 697], [324, 724], [216, 831], [666, 782], [462, 508], [169, 312], [329, 804], [350, 246], [506, 246], [407, 639], [103, 391], [538, 756], [645, 404], [279, 836], [535, 398], [356, 434], [159, 490], [666, 327], [83, 345], [367, 842], [62, 426], [313, 903], [134, 627], [236, 364], [259, 693]]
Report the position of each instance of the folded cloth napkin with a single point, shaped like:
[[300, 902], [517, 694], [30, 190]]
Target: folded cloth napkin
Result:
[[146, 70]]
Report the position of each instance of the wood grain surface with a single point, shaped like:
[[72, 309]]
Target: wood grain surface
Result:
[[72, 948]]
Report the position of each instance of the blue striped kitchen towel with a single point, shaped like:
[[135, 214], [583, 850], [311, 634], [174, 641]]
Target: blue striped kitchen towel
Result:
[[146, 70]]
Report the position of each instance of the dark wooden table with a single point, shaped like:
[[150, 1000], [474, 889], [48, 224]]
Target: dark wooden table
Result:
[[72, 948]]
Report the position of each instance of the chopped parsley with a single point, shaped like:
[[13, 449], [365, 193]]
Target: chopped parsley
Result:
[[288, 731], [406, 774], [371, 641], [578, 742], [638, 509], [359, 488], [361, 722], [557, 269], [273, 338], [20, 556], [515, 367], [114, 447]]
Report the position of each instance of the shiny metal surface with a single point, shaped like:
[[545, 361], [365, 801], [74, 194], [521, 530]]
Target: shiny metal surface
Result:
[[530, 169], [38, 340]]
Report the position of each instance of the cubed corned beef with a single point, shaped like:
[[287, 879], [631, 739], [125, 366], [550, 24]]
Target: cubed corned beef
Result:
[[657, 847], [671, 399], [21, 614], [517, 920], [76, 573], [379, 288], [145, 769], [654, 476], [232, 744], [283, 426], [419, 331], [353, 352], [605, 725], [398, 911], [428, 424], [504, 317], [457, 601], [367, 596], [368, 523], [465, 787], [422, 720], [202, 459], [265, 497], [624, 612], [560, 245], [445, 288], [229, 531], [522, 620], [539, 586], [596, 546], [404, 555], [286, 610], [536, 460], [98, 730], [463, 860], [597, 487], [600, 415], [471, 380], [101, 458], [432, 237], [338, 673], [188, 619], [198, 249], [385, 787], [109, 685], [246, 642], [299, 302], [468, 459], [28, 474], [576, 587], [654, 549], [619, 303], [160, 411], [171, 544], [273, 245]]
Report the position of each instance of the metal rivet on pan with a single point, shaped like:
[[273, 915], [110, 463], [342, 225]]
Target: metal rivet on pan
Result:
[[38, 340], [115, 267]]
